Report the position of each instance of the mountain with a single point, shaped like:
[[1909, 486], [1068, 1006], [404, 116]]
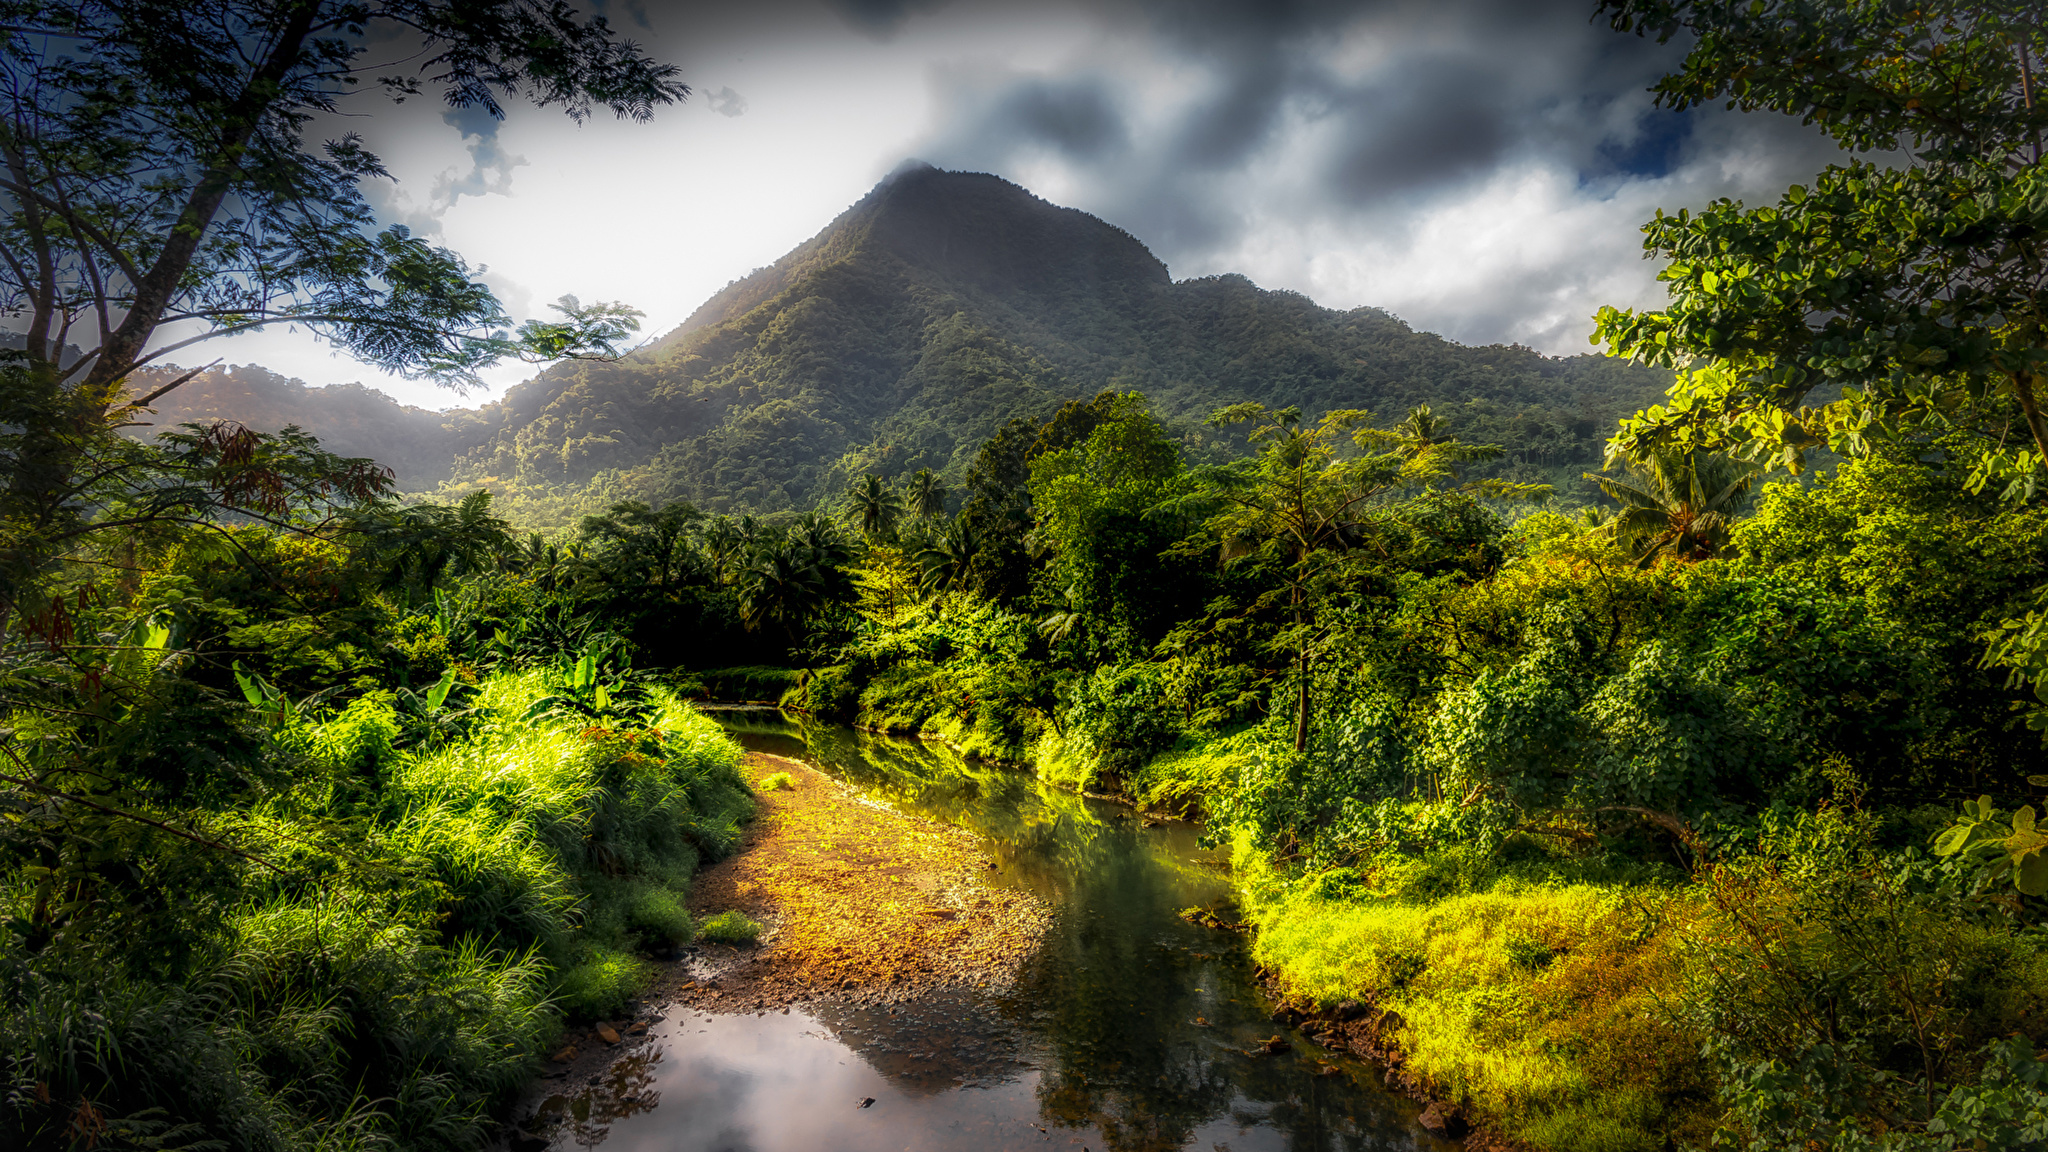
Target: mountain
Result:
[[937, 308], [351, 419]]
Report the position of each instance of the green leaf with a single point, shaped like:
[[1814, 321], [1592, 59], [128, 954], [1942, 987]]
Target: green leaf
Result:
[[1953, 839], [438, 694], [248, 684], [2031, 878]]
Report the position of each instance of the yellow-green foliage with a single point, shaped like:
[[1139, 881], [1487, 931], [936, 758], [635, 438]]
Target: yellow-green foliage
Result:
[[1538, 1002], [730, 927], [1062, 761], [601, 984], [573, 840], [1181, 780], [777, 781]]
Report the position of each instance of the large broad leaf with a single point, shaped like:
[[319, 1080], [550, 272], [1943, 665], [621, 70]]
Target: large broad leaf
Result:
[[438, 694], [1953, 839], [2031, 877]]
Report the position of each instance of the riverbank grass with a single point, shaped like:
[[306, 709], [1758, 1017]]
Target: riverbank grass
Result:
[[1536, 1001]]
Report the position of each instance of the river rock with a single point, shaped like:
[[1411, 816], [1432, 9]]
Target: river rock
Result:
[[1442, 1119], [1276, 1045], [607, 1033], [1349, 1010], [565, 1055]]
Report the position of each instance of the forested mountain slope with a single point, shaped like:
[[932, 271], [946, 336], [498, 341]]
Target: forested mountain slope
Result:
[[351, 419], [945, 303]]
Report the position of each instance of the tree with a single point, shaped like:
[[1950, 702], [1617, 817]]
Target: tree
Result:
[[1677, 504], [1423, 432], [926, 497], [947, 561], [419, 545], [1301, 502], [1909, 297], [1909, 294], [875, 507], [650, 549], [157, 174], [783, 587]]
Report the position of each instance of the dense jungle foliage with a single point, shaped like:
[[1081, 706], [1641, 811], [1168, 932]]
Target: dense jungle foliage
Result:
[[1687, 803]]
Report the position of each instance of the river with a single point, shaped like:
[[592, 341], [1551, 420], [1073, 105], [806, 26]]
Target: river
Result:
[[1131, 1029]]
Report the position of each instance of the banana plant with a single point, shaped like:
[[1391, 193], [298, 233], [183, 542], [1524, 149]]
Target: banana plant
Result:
[[2015, 847], [427, 716], [269, 700], [586, 692]]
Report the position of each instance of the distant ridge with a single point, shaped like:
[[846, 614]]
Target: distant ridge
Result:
[[943, 304]]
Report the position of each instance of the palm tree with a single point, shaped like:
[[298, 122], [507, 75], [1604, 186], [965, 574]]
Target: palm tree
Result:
[[947, 560], [722, 548], [821, 538], [927, 497], [1677, 504], [427, 542], [783, 586], [875, 507], [1424, 435]]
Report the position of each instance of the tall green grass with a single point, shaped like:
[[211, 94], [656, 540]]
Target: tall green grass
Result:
[[1537, 998], [439, 915]]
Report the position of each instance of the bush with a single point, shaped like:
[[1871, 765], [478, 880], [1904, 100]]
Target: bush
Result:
[[601, 985], [658, 919], [754, 683], [777, 781], [729, 927]]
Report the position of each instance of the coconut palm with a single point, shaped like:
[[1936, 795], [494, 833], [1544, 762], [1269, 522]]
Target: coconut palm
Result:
[[1424, 434], [1677, 504], [783, 586], [926, 496], [945, 562], [875, 507], [721, 542]]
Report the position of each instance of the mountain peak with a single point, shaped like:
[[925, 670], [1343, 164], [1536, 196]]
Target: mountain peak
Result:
[[961, 231]]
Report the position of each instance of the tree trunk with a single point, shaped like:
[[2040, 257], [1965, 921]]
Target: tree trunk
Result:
[[2030, 407], [1300, 675], [120, 349]]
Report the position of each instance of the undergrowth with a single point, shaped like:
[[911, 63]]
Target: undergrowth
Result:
[[425, 922]]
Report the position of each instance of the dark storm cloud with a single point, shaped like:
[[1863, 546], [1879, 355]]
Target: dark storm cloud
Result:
[[1431, 123], [1489, 81], [1078, 118], [880, 19]]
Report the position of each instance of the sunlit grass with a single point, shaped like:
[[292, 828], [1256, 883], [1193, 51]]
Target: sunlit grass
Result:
[[426, 920], [1542, 1003], [729, 927]]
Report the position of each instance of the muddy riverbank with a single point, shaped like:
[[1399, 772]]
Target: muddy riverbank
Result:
[[1077, 1008]]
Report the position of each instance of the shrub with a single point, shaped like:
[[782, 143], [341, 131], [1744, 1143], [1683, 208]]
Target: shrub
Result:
[[729, 927], [777, 781], [601, 985], [658, 919]]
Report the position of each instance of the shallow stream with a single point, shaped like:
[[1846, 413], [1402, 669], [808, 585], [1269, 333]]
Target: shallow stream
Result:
[[1129, 1030]]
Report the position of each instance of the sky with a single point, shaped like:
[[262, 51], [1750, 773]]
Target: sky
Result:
[[1479, 168]]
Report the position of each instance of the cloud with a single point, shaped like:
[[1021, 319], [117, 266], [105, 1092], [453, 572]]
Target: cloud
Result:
[[1478, 166], [881, 19], [490, 171], [726, 102]]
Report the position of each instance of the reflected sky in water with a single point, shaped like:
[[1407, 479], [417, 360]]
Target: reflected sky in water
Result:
[[1130, 1030]]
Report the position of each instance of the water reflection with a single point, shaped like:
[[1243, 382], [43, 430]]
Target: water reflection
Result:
[[1130, 1030]]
